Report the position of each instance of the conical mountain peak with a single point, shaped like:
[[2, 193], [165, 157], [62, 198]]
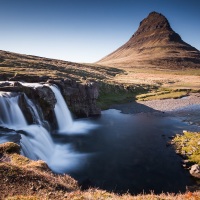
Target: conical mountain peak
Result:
[[155, 27], [155, 20], [154, 43]]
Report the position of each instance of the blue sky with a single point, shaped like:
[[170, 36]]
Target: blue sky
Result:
[[87, 30]]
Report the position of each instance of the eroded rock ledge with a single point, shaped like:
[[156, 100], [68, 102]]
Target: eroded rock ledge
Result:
[[80, 98]]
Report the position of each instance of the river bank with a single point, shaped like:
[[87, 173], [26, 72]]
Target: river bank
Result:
[[187, 108]]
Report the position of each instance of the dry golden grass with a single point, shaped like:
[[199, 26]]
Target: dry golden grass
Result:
[[22, 178], [12, 64], [95, 194], [189, 78]]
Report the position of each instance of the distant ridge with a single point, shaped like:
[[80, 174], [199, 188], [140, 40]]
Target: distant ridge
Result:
[[154, 44]]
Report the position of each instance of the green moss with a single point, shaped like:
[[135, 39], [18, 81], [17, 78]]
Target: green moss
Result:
[[163, 93], [111, 93], [188, 145]]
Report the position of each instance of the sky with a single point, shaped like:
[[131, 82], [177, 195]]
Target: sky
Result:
[[87, 30]]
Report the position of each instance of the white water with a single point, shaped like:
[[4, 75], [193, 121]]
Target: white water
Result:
[[11, 115], [36, 142], [33, 85], [63, 115], [36, 117], [65, 122]]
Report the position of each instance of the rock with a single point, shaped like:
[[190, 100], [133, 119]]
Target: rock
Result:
[[9, 147], [4, 84], [195, 171], [42, 96], [4, 76], [80, 98], [184, 165]]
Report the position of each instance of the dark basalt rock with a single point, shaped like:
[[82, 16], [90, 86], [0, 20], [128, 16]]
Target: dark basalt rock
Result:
[[42, 96], [80, 98]]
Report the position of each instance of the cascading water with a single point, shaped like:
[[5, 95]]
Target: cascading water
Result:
[[36, 117], [64, 118], [11, 115], [63, 115], [36, 142]]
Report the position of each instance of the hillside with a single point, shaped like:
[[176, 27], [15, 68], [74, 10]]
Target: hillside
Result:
[[14, 66]]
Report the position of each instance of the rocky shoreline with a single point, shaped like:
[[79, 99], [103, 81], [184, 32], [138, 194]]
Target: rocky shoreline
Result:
[[187, 107]]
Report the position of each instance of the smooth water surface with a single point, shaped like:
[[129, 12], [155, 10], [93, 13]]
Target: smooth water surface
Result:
[[130, 153]]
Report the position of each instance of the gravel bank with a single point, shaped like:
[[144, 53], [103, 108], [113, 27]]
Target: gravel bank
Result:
[[166, 105], [188, 108], [173, 104]]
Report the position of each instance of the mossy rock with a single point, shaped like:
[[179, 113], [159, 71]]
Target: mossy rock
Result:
[[9, 147]]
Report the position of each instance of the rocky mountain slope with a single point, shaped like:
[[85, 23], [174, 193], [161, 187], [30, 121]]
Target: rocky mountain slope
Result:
[[154, 44]]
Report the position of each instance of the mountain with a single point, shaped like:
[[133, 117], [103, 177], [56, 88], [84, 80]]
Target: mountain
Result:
[[154, 44]]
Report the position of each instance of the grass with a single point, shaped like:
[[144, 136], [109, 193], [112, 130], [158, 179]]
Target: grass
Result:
[[159, 70], [188, 145], [118, 93], [20, 176], [24, 179], [95, 194], [12, 64], [121, 85], [162, 93]]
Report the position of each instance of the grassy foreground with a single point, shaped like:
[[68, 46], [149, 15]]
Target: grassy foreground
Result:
[[24, 179]]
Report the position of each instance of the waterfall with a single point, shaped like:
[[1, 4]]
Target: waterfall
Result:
[[11, 115], [40, 144], [36, 139], [32, 107], [64, 119], [63, 115]]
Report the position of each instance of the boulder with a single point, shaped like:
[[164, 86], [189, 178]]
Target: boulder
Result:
[[195, 171]]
